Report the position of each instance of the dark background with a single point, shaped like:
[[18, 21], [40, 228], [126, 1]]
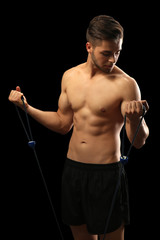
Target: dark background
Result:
[[40, 42]]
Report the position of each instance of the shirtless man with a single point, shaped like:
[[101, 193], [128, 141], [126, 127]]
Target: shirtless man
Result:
[[94, 98]]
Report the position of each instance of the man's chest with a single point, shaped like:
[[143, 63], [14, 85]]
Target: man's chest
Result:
[[99, 97]]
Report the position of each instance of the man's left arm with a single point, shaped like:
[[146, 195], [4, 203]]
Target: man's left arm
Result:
[[132, 107]]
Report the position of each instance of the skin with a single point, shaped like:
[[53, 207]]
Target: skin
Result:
[[94, 98]]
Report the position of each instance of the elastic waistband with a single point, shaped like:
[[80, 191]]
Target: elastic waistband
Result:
[[92, 166]]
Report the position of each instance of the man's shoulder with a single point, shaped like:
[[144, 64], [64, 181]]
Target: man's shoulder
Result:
[[124, 78], [74, 70], [129, 85], [70, 75]]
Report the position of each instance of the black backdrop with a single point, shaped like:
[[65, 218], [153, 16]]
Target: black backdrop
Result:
[[41, 41]]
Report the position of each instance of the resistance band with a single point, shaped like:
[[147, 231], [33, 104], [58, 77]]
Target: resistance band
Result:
[[124, 160], [31, 144]]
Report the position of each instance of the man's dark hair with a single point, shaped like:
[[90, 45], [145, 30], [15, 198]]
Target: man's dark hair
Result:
[[103, 27]]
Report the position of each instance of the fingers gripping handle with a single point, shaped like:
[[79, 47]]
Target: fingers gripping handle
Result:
[[124, 159]]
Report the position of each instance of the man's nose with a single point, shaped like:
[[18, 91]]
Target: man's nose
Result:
[[112, 58]]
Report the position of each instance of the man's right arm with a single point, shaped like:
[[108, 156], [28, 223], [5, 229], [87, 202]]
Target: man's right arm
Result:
[[60, 121]]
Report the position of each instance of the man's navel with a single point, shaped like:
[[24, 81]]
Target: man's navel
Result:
[[103, 110], [83, 142]]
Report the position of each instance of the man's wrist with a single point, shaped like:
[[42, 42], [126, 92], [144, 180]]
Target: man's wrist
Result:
[[133, 120]]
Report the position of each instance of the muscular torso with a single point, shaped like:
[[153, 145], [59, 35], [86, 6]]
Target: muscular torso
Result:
[[97, 118]]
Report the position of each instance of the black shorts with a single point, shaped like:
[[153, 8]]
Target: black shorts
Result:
[[87, 194]]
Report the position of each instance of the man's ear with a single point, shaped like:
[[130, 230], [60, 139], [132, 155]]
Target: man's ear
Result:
[[89, 47]]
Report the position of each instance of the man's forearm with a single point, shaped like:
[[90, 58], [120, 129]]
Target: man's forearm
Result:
[[51, 120], [131, 127]]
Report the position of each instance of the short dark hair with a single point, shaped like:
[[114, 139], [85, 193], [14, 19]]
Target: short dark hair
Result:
[[104, 27]]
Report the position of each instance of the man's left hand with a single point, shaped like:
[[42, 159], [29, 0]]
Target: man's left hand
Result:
[[134, 109]]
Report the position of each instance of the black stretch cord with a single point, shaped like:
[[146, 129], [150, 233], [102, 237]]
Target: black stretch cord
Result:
[[48, 194], [25, 110], [123, 157], [123, 135], [22, 123], [137, 130], [30, 139], [113, 201]]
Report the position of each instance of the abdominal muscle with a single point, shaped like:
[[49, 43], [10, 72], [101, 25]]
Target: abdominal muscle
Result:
[[94, 144]]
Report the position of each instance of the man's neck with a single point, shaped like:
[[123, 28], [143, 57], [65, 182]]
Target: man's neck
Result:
[[91, 68]]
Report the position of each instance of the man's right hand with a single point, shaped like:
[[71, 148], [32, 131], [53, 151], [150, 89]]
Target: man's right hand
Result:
[[15, 97]]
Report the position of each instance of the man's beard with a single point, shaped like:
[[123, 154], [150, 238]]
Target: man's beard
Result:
[[103, 69]]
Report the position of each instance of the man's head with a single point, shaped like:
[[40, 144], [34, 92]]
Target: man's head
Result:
[[104, 41], [103, 28]]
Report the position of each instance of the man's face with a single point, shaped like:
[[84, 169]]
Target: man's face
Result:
[[105, 55]]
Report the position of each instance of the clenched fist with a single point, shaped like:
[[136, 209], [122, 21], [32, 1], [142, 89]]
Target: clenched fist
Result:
[[15, 97], [134, 109]]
